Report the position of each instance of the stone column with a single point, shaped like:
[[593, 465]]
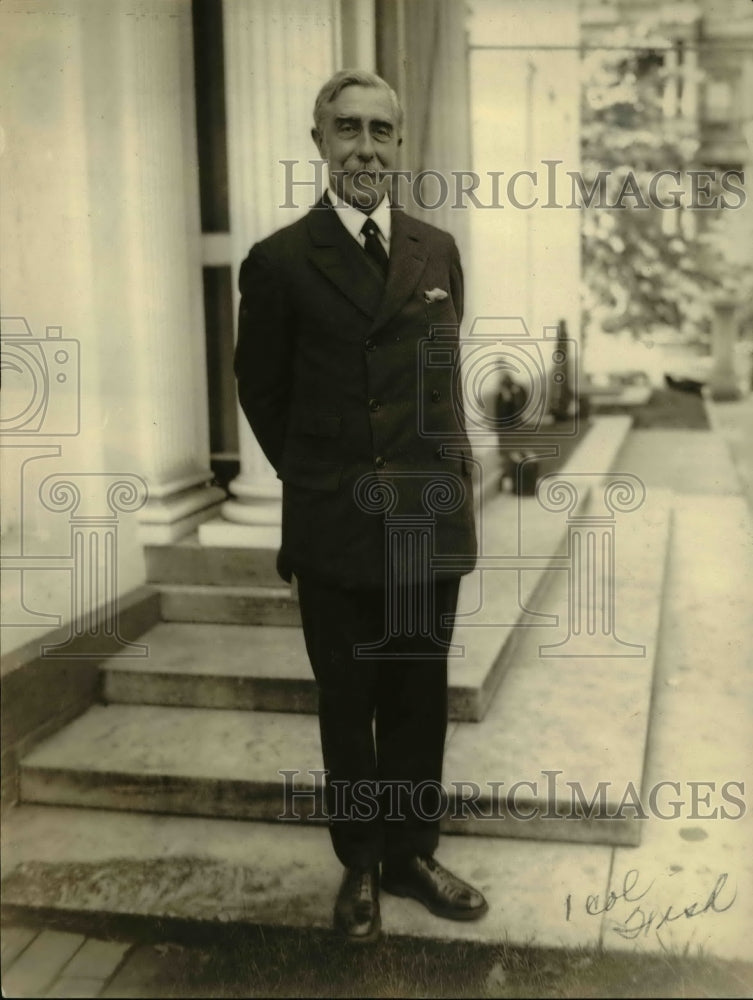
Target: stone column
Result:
[[51, 415], [723, 381], [276, 58], [163, 252]]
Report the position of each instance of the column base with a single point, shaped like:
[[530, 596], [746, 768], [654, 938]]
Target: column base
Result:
[[250, 518], [165, 520], [266, 511]]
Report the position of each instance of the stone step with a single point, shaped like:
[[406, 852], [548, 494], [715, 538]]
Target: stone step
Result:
[[550, 715], [187, 559], [265, 668], [100, 872], [570, 725], [229, 605], [203, 762], [207, 665], [200, 666]]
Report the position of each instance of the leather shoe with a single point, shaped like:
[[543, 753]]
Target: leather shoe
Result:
[[357, 906], [441, 892]]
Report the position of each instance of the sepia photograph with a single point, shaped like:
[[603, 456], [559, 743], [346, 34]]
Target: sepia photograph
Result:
[[376, 431]]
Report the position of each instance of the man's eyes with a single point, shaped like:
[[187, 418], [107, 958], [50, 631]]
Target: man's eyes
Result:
[[382, 133]]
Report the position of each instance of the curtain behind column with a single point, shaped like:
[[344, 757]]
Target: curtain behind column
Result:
[[422, 52]]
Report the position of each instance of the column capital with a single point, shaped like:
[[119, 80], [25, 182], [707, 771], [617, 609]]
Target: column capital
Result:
[[610, 494]]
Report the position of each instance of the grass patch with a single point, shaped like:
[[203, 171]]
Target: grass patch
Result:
[[285, 963]]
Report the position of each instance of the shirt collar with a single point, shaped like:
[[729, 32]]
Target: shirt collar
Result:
[[353, 218]]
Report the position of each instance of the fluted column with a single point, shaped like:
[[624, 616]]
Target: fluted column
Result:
[[276, 58], [163, 250]]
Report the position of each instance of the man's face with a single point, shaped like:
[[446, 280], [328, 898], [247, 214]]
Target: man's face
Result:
[[359, 138]]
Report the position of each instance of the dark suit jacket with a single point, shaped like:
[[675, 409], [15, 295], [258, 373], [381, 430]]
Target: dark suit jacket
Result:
[[337, 378]]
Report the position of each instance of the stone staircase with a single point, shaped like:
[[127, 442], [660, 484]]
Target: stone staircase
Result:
[[225, 701]]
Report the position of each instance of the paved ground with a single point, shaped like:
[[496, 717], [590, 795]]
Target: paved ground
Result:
[[734, 422], [690, 883]]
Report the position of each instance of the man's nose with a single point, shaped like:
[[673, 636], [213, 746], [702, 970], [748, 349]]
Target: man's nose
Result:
[[365, 150]]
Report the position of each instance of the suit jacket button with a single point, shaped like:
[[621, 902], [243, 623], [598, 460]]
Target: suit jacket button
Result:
[[380, 462], [374, 405], [436, 395], [370, 345]]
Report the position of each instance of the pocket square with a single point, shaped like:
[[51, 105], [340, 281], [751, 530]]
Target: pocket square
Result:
[[435, 295]]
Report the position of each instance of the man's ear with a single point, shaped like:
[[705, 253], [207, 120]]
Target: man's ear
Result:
[[316, 135]]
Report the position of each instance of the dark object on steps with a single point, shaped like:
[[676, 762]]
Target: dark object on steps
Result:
[[684, 384]]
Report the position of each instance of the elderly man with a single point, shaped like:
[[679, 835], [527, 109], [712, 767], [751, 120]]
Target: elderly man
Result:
[[336, 313]]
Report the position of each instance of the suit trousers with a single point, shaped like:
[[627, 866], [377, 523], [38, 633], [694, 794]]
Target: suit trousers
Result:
[[382, 714]]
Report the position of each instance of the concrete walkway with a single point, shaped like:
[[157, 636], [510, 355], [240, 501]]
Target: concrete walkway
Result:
[[696, 872], [733, 421], [689, 885]]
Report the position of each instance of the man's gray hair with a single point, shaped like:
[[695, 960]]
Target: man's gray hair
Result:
[[353, 78]]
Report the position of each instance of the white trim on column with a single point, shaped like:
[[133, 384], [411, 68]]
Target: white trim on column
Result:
[[276, 58], [164, 289]]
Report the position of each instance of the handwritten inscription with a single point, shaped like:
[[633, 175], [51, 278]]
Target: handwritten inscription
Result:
[[632, 914]]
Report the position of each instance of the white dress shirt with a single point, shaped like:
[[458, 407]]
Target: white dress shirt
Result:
[[353, 219]]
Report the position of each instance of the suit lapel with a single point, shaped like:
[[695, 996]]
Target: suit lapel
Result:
[[339, 258], [408, 256], [336, 255]]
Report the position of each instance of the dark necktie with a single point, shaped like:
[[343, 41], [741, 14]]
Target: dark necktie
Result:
[[373, 246]]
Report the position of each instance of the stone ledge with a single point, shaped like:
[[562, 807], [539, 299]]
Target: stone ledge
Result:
[[41, 694], [228, 605], [89, 869], [138, 610], [188, 559]]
